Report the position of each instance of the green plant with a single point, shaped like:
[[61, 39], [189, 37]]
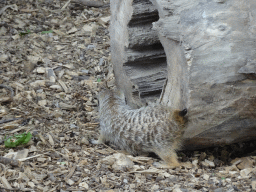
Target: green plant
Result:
[[16, 140], [44, 32], [25, 33]]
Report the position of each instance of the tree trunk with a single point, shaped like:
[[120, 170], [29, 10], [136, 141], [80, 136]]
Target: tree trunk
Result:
[[199, 55]]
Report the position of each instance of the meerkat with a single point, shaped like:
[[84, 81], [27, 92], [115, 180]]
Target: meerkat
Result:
[[154, 128]]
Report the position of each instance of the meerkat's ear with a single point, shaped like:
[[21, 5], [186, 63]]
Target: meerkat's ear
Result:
[[179, 116], [183, 112]]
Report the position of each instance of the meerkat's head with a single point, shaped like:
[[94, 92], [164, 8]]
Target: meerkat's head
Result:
[[179, 116], [104, 91]]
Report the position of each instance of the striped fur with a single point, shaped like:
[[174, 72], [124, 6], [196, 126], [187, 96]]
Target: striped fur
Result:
[[154, 128]]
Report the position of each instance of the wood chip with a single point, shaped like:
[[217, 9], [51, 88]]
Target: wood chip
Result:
[[63, 85], [8, 161], [5, 183], [71, 172]]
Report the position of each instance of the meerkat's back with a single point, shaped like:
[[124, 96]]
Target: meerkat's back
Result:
[[154, 128]]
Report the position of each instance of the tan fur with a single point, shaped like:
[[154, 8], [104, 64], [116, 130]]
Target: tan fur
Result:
[[154, 128], [181, 120]]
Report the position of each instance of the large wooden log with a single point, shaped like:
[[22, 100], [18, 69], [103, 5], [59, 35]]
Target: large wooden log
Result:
[[209, 52], [138, 56]]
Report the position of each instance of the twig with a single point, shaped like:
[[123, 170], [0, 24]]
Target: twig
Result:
[[73, 189], [24, 159], [65, 5], [71, 172], [29, 10], [18, 129], [137, 161], [3, 167], [90, 3], [14, 7], [8, 120], [16, 189], [97, 186], [44, 141]]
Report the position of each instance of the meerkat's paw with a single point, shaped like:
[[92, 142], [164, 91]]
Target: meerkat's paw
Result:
[[100, 140], [95, 142], [169, 157]]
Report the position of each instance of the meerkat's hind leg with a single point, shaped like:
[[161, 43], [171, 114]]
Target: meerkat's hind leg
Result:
[[170, 158]]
